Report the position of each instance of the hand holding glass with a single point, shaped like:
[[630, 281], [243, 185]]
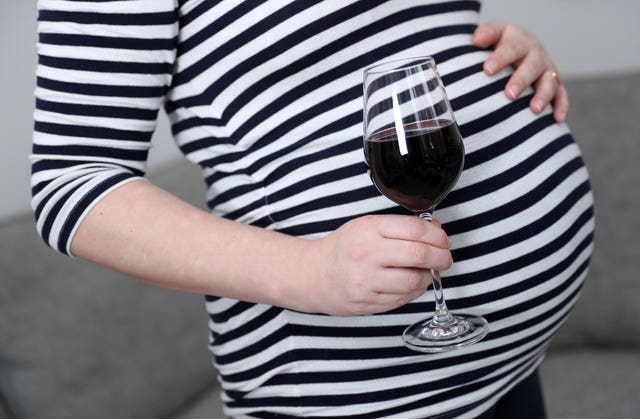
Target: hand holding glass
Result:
[[415, 155]]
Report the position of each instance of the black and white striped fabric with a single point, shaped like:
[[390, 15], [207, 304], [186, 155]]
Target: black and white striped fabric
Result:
[[266, 97]]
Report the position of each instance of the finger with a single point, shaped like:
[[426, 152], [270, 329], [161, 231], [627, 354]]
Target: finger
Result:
[[488, 34], [545, 90], [505, 53], [381, 303], [561, 104], [412, 229], [529, 70], [401, 281], [413, 254]]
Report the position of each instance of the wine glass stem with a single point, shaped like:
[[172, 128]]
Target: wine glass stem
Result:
[[442, 316]]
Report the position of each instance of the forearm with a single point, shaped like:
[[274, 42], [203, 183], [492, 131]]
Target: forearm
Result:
[[369, 265], [149, 234]]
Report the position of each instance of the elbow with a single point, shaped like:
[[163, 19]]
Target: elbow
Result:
[[62, 193]]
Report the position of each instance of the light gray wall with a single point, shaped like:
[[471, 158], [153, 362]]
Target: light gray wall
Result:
[[585, 37]]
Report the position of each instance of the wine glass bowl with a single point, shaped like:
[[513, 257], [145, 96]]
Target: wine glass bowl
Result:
[[415, 154], [420, 176]]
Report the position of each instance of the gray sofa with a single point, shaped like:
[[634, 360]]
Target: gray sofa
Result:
[[78, 341]]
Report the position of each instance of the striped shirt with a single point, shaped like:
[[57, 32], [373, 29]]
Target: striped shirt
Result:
[[266, 97]]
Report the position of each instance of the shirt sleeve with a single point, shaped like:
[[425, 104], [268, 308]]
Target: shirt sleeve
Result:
[[103, 70]]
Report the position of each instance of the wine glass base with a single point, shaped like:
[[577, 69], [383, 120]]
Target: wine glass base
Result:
[[430, 336]]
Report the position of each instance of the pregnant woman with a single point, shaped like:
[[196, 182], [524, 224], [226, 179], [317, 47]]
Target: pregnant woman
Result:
[[310, 275]]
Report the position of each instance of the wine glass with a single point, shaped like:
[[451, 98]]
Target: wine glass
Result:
[[415, 155]]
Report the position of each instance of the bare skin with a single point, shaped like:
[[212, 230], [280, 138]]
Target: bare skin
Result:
[[513, 45], [369, 265]]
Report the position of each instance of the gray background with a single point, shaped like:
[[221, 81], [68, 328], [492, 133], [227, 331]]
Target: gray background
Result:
[[585, 37]]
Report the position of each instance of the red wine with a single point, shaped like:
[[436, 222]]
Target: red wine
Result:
[[419, 172]]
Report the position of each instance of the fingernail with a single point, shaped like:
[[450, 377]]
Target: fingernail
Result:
[[514, 91], [537, 106], [490, 67], [562, 116]]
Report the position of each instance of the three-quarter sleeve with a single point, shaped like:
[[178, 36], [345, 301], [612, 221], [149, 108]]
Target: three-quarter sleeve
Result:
[[103, 70]]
